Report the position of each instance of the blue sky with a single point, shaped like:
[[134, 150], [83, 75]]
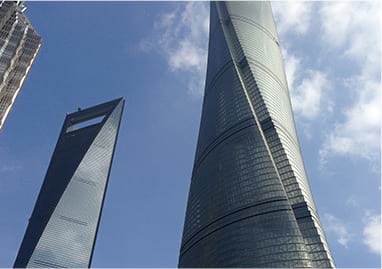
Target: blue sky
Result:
[[154, 54]]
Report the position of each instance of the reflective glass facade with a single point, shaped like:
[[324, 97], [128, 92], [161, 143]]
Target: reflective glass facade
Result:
[[63, 226], [250, 203], [19, 45]]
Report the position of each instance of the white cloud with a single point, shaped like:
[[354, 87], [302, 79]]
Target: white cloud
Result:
[[352, 201], [307, 87], [357, 38], [181, 36], [186, 56], [6, 168], [292, 16], [359, 134], [354, 28], [307, 96], [8, 165], [372, 233], [292, 67], [350, 30], [337, 228]]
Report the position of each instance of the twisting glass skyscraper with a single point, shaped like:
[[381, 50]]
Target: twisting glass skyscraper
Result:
[[250, 203], [19, 44], [63, 227]]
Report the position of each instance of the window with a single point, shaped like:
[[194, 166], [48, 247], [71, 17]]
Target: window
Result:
[[85, 123]]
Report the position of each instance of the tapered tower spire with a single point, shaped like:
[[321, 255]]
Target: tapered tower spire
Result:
[[250, 203], [63, 227]]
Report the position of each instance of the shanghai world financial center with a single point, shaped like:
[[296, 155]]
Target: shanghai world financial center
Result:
[[249, 202]]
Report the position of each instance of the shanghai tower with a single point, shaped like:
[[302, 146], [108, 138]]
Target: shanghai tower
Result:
[[63, 227], [250, 203]]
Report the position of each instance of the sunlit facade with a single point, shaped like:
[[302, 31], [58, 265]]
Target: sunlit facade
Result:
[[250, 203], [63, 227], [19, 45]]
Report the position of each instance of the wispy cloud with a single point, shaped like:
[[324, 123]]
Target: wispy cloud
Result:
[[351, 31], [353, 28], [337, 228], [7, 163], [356, 37], [292, 67], [352, 201], [359, 133], [8, 168], [372, 233], [307, 96], [292, 16], [308, 87], [181, 36]]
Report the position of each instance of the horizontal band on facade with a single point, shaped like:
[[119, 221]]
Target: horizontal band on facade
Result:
[[230, 223], [280, 127], [225, 67], [257, 25], [267, 264], [88, 182], [221, 138], [49, 264], [76, 221], [233, 222], [301, 252], [265, 69]]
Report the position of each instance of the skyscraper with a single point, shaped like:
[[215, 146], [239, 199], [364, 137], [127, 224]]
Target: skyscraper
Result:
[[63, 227], [19, 44], [250, 203]]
